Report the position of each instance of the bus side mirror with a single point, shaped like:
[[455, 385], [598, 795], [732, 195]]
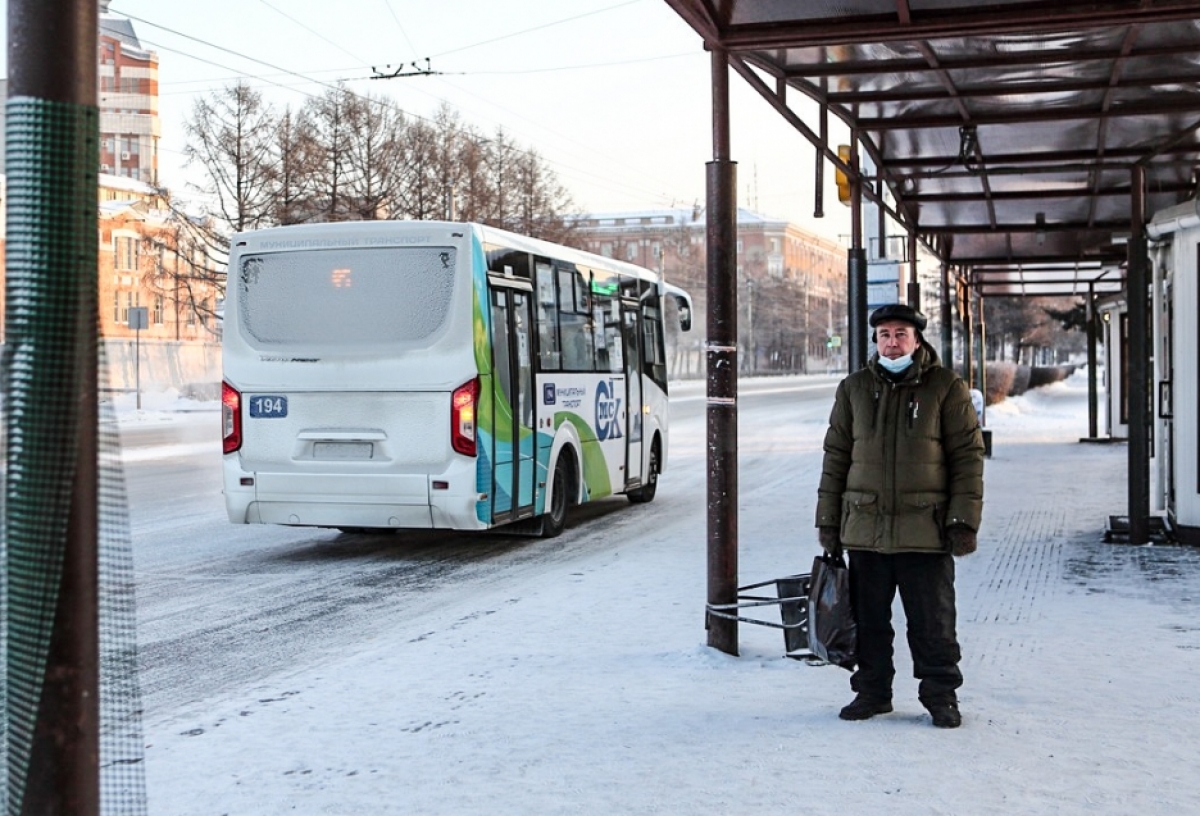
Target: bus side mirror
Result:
[[685, 313]]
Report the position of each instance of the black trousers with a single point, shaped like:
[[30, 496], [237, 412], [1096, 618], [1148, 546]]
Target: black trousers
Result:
[[926, 584]]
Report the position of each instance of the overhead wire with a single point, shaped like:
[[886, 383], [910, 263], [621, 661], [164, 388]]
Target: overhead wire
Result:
[[588, 66], [226, 50], [617, 162], [392, 11], [307, 79], [536, 28], [306, 28]]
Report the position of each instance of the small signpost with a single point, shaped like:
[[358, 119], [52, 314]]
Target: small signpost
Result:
[[139, 319]]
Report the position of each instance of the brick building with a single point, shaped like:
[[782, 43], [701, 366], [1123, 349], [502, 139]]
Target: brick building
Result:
[[791, 283], [152, 257], [128, 101]]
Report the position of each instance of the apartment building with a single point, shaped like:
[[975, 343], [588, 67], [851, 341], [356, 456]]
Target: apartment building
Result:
[[128, 101]]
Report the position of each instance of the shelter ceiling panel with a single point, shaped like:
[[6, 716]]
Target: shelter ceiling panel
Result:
[[996, 247], [979, 117], [953, 5]]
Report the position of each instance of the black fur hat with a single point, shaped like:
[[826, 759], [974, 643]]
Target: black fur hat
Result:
[[898, 311]]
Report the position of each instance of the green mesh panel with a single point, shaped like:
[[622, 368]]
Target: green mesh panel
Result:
[[50, 353], [122, 748]]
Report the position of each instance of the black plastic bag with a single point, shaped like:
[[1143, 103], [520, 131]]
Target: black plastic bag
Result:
[[832, 635]]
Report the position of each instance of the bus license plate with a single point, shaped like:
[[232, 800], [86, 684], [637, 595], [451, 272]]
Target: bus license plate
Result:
[[268, 406]]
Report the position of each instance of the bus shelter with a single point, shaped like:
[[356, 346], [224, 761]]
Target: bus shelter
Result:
[[1024, 144]]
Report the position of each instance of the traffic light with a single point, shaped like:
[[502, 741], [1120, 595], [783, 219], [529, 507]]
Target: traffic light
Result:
[[843, 180]]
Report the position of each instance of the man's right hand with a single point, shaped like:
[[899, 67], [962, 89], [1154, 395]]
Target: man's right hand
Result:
[[831, 541]]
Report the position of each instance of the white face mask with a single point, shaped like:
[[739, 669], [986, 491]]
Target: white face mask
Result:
[[897, 365]]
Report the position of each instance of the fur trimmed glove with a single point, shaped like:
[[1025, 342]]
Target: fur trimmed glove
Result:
[[962, 540], [831, 541]]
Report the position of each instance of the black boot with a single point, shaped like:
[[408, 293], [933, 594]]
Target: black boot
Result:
[[945, 713], [864, 708]]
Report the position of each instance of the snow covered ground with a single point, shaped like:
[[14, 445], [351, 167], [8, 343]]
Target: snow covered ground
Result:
[[591, 690]]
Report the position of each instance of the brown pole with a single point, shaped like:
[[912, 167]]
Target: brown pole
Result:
[[969, 337], [1093, 392], [856, 269], [983, 355], [819, 170], [1139, 364], [947, 328], [722, 367], [914, 286], [52, 160]]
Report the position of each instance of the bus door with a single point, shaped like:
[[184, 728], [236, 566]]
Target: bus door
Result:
[[631, 334], [513, 452]]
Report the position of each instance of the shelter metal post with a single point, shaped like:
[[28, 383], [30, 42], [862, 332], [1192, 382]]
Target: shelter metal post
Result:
[[914, 286], [983, 357], [722, 367], [881, 225], [856, 269], [1139, 364], [819, 171], [51, 515], [947, 329], [969, 336], [1093, 393]]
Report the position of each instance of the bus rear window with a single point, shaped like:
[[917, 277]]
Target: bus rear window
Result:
[[346, 297]]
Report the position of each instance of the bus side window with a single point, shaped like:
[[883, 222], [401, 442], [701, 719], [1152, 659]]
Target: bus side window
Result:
[[577, 343], [606, 328], [574, 322], [549, 354], [653, 353]]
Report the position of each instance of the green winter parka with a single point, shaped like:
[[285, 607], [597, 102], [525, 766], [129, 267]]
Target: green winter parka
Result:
[[903, 459]]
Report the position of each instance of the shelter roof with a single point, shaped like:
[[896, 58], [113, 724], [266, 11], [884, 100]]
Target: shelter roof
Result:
[[1006, 134]]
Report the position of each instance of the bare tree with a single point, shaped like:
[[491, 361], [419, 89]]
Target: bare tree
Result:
[[475, 196], [501, 177], [540, 200], [448, 166], [187, 255], [327, 122], [373, 157], [229, 135], [293, 187], [349, 157], [418, 198]]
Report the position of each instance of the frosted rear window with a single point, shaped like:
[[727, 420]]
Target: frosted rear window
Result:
[[346, 298]]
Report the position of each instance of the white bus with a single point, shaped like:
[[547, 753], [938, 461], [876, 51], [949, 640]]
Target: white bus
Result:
[[424, 374]]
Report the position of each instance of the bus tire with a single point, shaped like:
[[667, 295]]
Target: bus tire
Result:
[[645, 493], [554, 520]]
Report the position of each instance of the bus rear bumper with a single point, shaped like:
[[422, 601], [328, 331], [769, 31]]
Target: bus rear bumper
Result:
[[333, 514], [368, 501]]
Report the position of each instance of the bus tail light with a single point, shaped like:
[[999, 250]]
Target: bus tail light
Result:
[[463, 403], [231, 418]]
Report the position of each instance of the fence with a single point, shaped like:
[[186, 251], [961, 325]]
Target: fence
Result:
[[180, 364]]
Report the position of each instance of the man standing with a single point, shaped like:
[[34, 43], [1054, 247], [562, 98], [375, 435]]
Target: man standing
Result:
[[902, 490]]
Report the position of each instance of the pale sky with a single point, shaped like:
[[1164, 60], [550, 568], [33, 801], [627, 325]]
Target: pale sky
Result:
[[614, 94]]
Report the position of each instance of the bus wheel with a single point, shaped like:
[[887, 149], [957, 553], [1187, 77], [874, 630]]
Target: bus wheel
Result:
[[554, 521], [645, 493]]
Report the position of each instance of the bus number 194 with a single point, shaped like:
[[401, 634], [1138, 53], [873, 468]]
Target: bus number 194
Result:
[[268, 406]]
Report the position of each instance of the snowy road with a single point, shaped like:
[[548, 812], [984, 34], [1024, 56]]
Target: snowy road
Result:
[[571, 678], [222, 606]]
